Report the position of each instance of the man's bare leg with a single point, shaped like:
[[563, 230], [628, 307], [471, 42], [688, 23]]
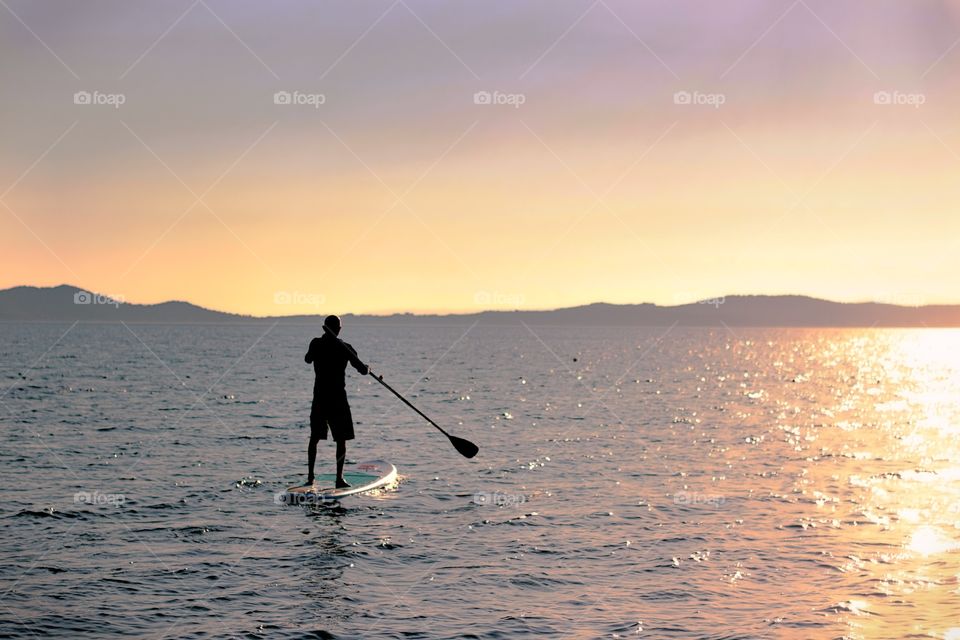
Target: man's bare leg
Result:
[[341, 456], [311, 457]]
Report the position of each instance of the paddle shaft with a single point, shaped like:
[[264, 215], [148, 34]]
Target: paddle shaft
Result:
[[407, 402], [391, 389]]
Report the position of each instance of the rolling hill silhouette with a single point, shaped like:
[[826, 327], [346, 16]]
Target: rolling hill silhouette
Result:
[[67, 303]]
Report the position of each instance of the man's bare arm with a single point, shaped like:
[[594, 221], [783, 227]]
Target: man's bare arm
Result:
[[309, 357]]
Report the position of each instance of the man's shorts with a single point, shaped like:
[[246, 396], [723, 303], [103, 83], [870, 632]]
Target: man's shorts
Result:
[[334, 413]]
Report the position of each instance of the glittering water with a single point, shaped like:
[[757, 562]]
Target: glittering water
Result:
[[631, 482]]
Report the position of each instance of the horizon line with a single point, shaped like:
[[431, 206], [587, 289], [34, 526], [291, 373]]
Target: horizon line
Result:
[[384, 314]]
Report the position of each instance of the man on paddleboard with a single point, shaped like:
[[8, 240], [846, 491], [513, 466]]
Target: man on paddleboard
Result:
[[330, 408]]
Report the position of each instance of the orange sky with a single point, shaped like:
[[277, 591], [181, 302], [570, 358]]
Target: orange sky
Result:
[[400, 193]]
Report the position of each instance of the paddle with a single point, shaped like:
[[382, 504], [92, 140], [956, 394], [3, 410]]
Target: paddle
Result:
[[466, 448]]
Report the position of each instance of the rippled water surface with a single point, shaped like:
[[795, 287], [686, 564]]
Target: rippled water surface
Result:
[[647, 483]]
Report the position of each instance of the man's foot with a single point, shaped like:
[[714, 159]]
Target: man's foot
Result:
[[309, 482], [342, 484]]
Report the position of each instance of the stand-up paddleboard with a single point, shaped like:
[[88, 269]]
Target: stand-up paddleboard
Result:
[[362, 478]]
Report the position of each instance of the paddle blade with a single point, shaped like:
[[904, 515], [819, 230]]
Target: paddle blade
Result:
[[466, 448]]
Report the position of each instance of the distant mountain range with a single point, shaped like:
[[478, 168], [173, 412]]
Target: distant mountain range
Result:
[[68, 303]]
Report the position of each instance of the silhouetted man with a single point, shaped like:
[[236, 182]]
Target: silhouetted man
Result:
[[329, 356]]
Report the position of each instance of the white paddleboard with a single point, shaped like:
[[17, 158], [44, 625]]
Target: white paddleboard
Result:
[[363, 477]]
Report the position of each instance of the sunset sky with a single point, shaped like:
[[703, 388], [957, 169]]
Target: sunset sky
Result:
[[819, 153]]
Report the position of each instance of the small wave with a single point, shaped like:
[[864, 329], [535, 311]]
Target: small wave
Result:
[[52, 513], [196, 530], [856, 607], [54, 569]]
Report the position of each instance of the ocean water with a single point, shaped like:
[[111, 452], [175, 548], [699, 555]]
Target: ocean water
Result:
[[631, 482]]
